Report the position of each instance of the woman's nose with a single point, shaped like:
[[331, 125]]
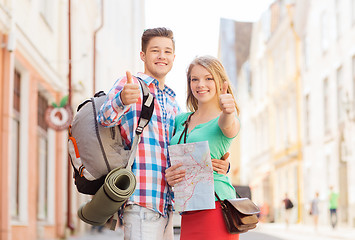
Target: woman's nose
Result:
[[201, 83]]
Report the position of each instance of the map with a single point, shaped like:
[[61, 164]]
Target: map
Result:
[[196, 191]]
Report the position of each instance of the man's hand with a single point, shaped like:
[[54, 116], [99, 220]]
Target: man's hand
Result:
[[221, 165], [173, 175], [130, 92]]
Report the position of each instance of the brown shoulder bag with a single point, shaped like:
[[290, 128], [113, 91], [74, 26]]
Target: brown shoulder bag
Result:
[[240, 214]]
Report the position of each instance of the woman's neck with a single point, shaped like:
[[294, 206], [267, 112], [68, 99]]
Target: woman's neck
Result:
[[207, 111]]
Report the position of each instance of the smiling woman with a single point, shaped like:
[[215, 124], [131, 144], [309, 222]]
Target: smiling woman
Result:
[[213, 119]]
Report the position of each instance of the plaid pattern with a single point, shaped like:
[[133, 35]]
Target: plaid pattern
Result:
[[152, 157]]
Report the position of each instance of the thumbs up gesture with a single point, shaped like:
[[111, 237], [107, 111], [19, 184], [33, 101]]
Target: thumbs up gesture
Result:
[[226, 100], [130, 92]]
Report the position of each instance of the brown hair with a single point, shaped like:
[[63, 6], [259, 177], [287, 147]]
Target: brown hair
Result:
[[148, 34], [215, 67]]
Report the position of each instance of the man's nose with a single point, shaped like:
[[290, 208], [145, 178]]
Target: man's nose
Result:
[[161, 55]]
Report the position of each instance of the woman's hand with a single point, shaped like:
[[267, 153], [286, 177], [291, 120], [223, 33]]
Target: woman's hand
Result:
[[226, 100], [221, 165], [228, 121], [173, 175]]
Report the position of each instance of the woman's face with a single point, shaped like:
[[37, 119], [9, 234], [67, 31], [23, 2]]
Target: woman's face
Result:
[[203, 85]]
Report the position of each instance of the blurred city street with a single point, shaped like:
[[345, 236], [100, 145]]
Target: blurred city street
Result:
[[264, 231], [291, 67]]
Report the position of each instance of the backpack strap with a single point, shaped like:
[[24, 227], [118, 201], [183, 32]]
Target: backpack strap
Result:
[[147, 108], [145, 116], [94, 111]]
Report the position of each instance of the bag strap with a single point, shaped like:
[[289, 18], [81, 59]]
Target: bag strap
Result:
[[98, 133], [144, 118], [220, 201], [186, 124], [223, 205]]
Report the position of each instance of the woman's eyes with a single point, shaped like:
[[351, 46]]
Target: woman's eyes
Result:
[[196, 79]]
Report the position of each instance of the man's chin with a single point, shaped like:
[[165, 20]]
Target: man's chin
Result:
[[160, 75]]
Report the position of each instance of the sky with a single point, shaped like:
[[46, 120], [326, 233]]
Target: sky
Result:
[[195, 24]]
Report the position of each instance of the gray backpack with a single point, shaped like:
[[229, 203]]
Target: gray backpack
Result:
[[95, 150]]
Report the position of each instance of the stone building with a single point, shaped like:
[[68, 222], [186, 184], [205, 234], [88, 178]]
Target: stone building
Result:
[[38, 199]]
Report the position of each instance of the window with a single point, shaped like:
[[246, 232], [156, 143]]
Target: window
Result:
[[337, 19], [329, 171], [353, 78], [277, 61], [326, 106], [306, 52], [265, 124], [247, 73], [340, 95], [286, 125], [15, 144], [253, 139], [324, 28], [42, 198], [307, 118], [278, 127], [47, 11]]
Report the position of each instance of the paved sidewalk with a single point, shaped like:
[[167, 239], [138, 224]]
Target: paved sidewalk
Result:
[[301, 231], [272, 230], [106, 234]]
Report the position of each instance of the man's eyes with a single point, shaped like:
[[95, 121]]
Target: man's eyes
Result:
[[156, 50]]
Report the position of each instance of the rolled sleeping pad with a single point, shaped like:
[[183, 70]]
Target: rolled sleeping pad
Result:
[[119, 185]]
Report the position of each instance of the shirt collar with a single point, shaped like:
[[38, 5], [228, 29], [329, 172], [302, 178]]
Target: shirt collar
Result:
[[149, 80]]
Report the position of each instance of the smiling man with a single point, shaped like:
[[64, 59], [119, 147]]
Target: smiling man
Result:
[[148, 213]]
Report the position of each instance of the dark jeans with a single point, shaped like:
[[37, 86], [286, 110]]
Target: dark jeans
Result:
[[333, 217]]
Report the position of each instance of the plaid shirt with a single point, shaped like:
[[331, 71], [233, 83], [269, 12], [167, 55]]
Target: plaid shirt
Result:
[[152, 158]]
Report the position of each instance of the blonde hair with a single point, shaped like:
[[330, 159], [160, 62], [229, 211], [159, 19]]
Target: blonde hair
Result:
[[216, 69]]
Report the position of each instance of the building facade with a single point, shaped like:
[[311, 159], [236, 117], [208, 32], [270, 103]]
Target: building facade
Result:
[[328, 70], [297, 92], [39, 199]]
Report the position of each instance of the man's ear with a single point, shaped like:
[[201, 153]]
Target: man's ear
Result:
[[142, 54]]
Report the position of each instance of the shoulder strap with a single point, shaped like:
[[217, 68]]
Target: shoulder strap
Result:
[[184, 132], [145, 116], [147, 107]]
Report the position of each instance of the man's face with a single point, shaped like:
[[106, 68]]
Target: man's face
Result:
[[158, 58]]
